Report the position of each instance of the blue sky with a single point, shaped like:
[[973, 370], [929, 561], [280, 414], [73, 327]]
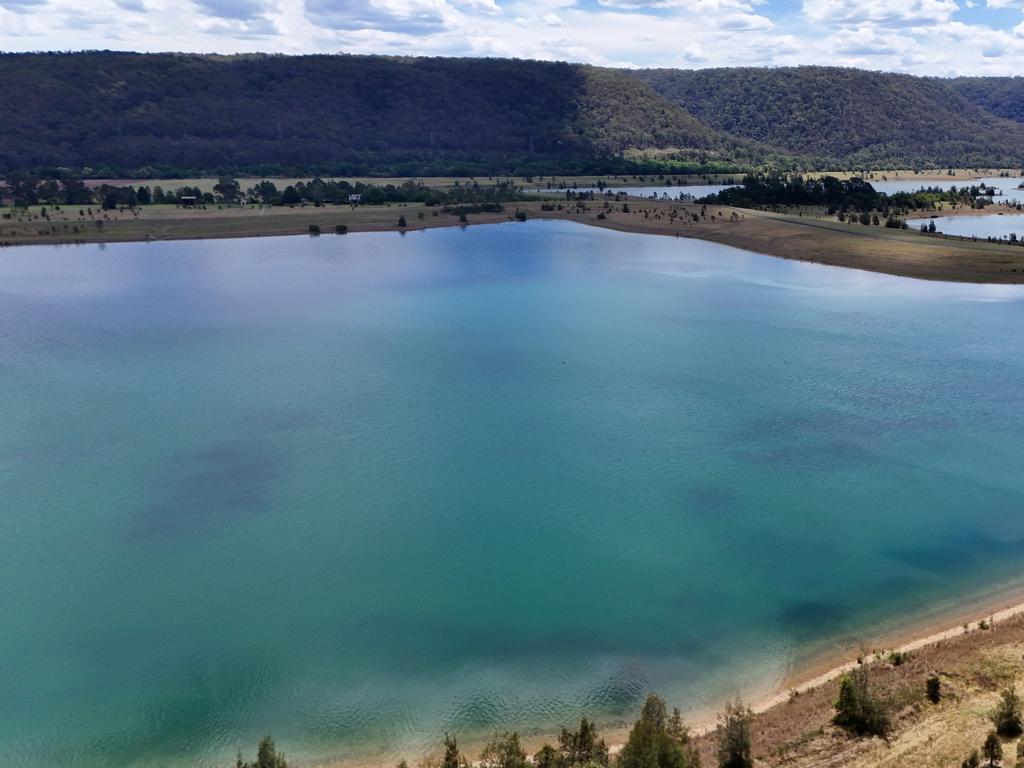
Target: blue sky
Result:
[[927, 37]]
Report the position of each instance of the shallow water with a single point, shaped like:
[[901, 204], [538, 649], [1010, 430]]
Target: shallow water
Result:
[[357, 491], [990, 225]]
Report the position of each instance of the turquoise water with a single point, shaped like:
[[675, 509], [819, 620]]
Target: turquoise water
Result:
[[356, 491]]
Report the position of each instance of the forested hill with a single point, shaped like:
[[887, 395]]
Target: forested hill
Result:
[[116, 113], [1002, 96], [843, 117], [127, 114]]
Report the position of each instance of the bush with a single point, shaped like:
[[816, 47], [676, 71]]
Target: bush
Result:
[[520, 215], [503, 751], [992, 749], [341, 229], [1006, 717], [401, 221], [858, 710], [652, 742], [314, 229], [734, 750], [933, 689], [972, 761], [266, 756]]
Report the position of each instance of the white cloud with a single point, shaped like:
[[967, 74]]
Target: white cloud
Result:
[[886, 13]]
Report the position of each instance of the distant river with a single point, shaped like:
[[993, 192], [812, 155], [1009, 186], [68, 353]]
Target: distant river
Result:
[[989, 225], [357, 491], [1006, 188]]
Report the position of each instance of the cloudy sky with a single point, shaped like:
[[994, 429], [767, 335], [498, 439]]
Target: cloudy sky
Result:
[[939, 37]]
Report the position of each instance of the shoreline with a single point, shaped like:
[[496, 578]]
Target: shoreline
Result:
[[904, 253]]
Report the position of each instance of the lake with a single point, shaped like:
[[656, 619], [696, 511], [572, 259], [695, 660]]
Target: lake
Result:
[[357, 491], [984, 226]]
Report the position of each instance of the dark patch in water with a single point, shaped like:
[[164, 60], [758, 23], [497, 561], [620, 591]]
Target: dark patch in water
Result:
[[813, 617], [961, 555], [710, 499], [231, 479]]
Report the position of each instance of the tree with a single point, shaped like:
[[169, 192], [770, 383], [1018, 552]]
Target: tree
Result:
[[858, 710], [291, 196], [650, 745], [734, 748], [992, 749], [266, 756], [401, 221], [503, 751], [228, 188], [583, 746], [933, 689], [1006, 717], [452, 758]]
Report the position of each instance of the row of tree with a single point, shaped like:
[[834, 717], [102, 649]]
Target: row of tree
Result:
[[854, 194], [26, 190]]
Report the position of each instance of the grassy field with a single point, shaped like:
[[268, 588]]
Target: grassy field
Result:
[[804, 238]]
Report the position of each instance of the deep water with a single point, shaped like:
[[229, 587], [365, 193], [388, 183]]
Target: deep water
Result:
[[357, 491]]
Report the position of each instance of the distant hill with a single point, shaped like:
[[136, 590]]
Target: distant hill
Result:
[[1002, 96], [120, 112], [129, 114], [842, 117]]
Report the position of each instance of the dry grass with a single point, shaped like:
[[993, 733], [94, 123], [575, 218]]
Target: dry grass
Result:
[[972, 667]]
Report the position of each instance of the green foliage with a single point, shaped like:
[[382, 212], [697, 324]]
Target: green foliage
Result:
[[503, 751], [266, 756], [145, 115], [314, 229], [734, 747], [401, 221], [933, 689], [1002, 96], [972, 761], [452, 757], [992, 749], [1006, 717], [654, 742], [341, 229], [849, 118], [858, 710]]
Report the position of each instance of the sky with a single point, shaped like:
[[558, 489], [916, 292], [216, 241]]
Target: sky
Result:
[[925, 37]]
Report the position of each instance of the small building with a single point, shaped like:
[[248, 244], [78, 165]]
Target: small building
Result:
[[355, 198], [188, 201]]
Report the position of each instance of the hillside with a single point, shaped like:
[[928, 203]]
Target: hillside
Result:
[[117, 113], [1002, 96], [846, 117]]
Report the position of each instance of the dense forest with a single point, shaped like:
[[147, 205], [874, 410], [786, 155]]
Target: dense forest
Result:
[[839, 117], [1002, 96], [104, 114], [139, 115]]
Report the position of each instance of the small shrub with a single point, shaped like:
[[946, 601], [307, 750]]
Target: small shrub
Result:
[[972, 761], [933, 689], [1006, 717], [520, 215], [341, 229], [992, 749], [314, 229], [858, 710]]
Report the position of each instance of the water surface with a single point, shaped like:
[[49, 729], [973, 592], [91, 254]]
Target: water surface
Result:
[[357, 491], [988, 225]]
